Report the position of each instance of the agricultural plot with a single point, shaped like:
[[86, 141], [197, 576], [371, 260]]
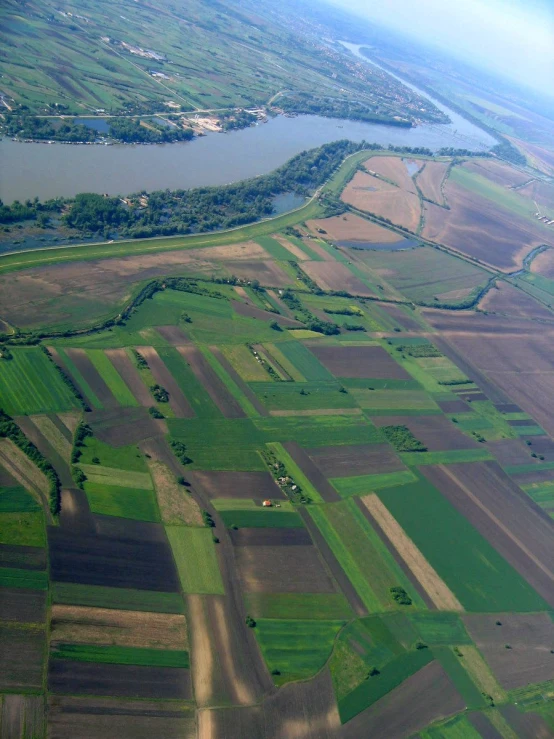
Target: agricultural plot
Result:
[[244, 362], [23, 652], [355, 460], [305, 362], [436, 433], [359, 361], [429, 179], [196, 560], [116, 500], [352, 230], [30, 383], [307, 396], [177, 506], [22, 606], [298, 606], [111, 376], [338, 276], [98, 596]]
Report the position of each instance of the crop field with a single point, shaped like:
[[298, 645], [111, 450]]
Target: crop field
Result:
[[372, 195], [128, 502], [111, 377], [97, 596], [196, 560], [429, 180], [298, 606], [281, 396], [305, 362]]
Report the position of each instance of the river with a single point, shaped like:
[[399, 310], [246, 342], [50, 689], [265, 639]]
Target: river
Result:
[[31, 169]]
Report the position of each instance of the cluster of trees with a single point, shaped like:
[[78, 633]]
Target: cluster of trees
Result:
[[313, 323], [233, 120], [506, 150], [29, 210], [10, 430], [280, 473], [82, 431], [180, 451], [330, 107], [91, 212], [402, 439], [131, 130], [31, 127]]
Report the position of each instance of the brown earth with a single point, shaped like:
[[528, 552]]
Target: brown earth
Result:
[[511, 452], [282, 569], [372, 195], [453, 406], [269, 274], [543, 446], [98, 718], [215, 388], [430, 178], [398, 315], [356, 459], [501, 174], [22, 716], [59, 439], [350, 227], [511, 301], [530, 637], [22, 606], [483, 726], [336, 276], [125, 426], [70, 421], [177, 401], [394, 168], [251, 485], [312, 472], [80, 625], [295, 251], [538, 155], [123, 364], [22, 653], [543, 264], [252, 311], [542, 193], [174, 335], [262, 537], [528, 725], [359, 361], [538, 475], [420, 700], [513, 524], [437, 433], [92, 377]]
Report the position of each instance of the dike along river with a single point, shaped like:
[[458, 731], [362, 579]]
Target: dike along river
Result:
[[46, 171]]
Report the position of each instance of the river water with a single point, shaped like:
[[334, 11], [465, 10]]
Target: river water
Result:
[[29, 169]]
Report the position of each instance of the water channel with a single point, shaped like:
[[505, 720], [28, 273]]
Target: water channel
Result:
[[32, 169]]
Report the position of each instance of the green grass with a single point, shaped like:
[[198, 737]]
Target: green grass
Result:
[[79, 379], [379, 383], [262, 518], [440, 628], [17, 500], [112, 378], [363, 484], [196, 560], [528, 430], [485, 582], [318, 606], [455, 456], [23, 529], [518, 469], [244, 504], [459, 727], [192, 388], [220, 444], [453, 666], [298, 649], [97, 596], [314, 431], [543, 495], [115, 655], [302, 396], [399, 401], [111, 476], [123, 458], [114, 500], [391, 675], [30, 383], [275, 249], [305, 362], [11, 577]]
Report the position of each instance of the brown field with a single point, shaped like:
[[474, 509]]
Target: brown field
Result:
[[79, 625], [23, 470], [289, 246], [542, 193], [75, 514], [177, 401], [53, 435], [359, 361], [542, 159], [453, 406], [394, 168], [530, 637], [425, 697], [372, 195], [436, 589], [215, 388], [269, 537], [70, 420], [282, 569], [312, 472], [481, 229], [124, 426], [33, 433], [543, 264], [177, 506], [22, 606], [123, 364], [129, 681], [336, 276], [437, 433], [498, 172], [527, 725], [251, 485], [6, 480], [430, 179], [350, 227], [21, 716], [400, 316], [358, 459], [511, 301], [514, 525], [97, 718], [511, 451], [174, 335], [92, 377], [21, 656], [24, 558], [544, 446], [252, 311], [269, 274]]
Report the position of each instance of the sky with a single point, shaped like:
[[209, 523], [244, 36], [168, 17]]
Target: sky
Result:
[[512, 37]]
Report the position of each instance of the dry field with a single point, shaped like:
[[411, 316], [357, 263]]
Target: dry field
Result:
[[350, 227], [511, 452], [357, 459], [174, 335], [252, 311], [499, 173], [512, 301], [123, 426], [528, 725], [542, 193], [177, 401], [292, 248], [55, 433], [373, 195], [430, 180], [540, 158], [543, 264], [21, 716], [250, 485], [268, 273], [394, 169], [359, 361], [23, 606], [336, 276], [177, 506], [20, 467], [437, 433]]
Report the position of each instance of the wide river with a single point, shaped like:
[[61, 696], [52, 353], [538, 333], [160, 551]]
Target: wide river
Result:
[[46, 171]]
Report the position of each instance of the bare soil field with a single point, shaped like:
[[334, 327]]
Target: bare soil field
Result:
[[453, 406], [397, 314], [125, 426], [246, 537], [483, 726], [80, 625], [372, 195], [530, 637], [174, 335], [282, 569], [177, 401], [129, 681], [512, 301], [395, 169], [22, 716], [542, 193], [403, 712], [251, 485], [123, 364], [251, 311], [357, 459], [481, 229], [511, 452], [514, 525], [312, 472], [350, 227], [68, 420], [430, 179], [98, 718], [359, 361], [75, 514], [437, 433], [498, 172], [543, 445], [24, 558], [22, 606], [269, 274], [21, 656], [542, 159], [213, 385], [92, 377], [543, 264], [336, 276], [526, 725]]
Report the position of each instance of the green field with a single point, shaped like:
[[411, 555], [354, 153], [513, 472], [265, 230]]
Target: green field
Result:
[[305, 362], [97, 473], [115, 500], [127, 458], [377, 401], [262, 518], [23, 529], [11, 577], [321, 607], [314, 431], [440, 628], [363, 484], [459, 727], [97, 596], [17, 500], [220, 444], [302, 396], [30, 383], [191, 387], [196, 560], [112, 378], [115, 655], [79, 380], [542, 494], [275, 249], [415, 459], [453, 666], [297, 649]]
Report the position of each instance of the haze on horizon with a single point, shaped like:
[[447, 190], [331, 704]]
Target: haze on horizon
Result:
[[513, 38]]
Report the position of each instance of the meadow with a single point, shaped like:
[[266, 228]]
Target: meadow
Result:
[[196, 560]]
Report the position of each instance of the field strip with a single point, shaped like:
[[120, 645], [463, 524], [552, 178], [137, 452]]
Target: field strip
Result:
[[438, 591], [498, 522], [481, 673], [24, 471], [319, 412], [202, 656], [52, 435]]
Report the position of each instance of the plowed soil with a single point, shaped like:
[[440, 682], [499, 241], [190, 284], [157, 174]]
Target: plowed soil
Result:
[[177, 401], [268, 273], [282, 569], [123, 364], [373, 195], [22, 606], [395, 169], [336, 276], [511, 452], [499, 173], [429, 180], [350, 227], [251, 311], [237, 379], [174, 335], [437, 433], [251, 485], [312, 472], [125, 426], [358, 459], [511, 301], [359, 361], [270, 537]]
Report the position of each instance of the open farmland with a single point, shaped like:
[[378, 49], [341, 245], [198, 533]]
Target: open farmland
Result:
[[429, 180], [353, 230]]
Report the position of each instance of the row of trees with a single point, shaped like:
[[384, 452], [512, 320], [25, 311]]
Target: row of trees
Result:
[[130, 130], [354, 110]]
